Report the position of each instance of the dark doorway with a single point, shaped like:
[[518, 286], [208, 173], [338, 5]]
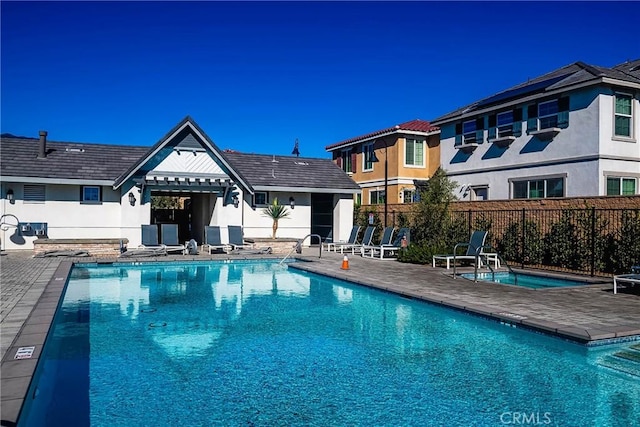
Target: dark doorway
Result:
[[174, 211], [321, 215]]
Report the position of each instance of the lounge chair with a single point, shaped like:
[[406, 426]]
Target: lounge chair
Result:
[[387, 236], [366, 240], [149, 237], [170, 239], [149, 245], [630, 279], [236, 239], [474, 250], [401, 241], [212, 239], [353, 239], [327, 240]]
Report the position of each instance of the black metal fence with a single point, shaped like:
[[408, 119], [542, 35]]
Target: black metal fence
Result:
[[589, 241]]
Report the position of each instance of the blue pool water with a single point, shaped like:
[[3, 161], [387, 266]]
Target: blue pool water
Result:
[[258, 344], [526, 280]]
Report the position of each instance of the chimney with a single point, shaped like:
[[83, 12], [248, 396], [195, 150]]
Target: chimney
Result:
[[42, 151]]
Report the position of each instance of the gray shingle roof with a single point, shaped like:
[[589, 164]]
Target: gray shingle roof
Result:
[[566, 76], [65, 160], [101, 162], [287, 171]]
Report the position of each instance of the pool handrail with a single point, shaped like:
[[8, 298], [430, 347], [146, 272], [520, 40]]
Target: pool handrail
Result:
[[476, 258], [493, 273], [298, 246]]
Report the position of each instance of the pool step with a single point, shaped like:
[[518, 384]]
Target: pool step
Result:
[[635, 347], [633, 356], [624, 361]]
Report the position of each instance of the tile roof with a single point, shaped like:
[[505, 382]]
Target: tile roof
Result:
[[564, 77], [416, 125], [101, 162], [65, 160], [263, 170]]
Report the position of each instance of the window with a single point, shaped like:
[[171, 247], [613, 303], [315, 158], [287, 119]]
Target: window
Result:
[[414, 152], [377, 197], [538, 188], [359, 199], [408, 196], [621, 186], [623, 115], [479, 193], [260, 198], [345, 155], [505, 124], [548, 114], [34, 193], [90, 194], [367, 151], [469, 131]]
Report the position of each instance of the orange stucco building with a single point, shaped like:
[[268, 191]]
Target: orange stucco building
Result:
[[407, 152]]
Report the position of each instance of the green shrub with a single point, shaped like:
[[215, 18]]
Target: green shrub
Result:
[[625, 251], [511, 246], [420, 253]]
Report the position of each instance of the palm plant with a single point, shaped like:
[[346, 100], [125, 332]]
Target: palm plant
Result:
[[276, 212]]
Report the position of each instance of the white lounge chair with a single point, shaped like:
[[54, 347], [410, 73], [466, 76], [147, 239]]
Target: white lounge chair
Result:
[[393, 248], [387, 236], [353, 239], [366, 241], [474, 250], [631, 279]]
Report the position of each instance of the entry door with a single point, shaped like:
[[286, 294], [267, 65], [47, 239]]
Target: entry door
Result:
[[321, 215]]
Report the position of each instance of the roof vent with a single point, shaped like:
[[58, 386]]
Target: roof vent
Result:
[[42, 146], [74, 150], [301, 163]]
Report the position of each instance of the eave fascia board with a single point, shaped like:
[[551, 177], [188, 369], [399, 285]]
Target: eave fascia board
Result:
[[623, 83], [394, 132], [517, 101], [308, 190], [59, 181]]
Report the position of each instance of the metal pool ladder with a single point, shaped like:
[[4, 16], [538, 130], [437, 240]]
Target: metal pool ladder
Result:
[[493, 273], [298, 247]]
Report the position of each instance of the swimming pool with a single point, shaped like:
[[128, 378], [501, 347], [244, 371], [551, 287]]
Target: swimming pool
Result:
[[526, 280], [255, 343]]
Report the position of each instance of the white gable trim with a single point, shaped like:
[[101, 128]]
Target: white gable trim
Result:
[[202, 139]]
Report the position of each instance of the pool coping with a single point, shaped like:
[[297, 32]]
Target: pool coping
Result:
[[588, 337], [17, 374]]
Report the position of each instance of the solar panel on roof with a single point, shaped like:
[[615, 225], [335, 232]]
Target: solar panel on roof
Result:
[[513, 93]]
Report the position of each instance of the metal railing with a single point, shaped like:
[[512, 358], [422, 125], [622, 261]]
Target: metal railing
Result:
[[589, 241], [298, 247]]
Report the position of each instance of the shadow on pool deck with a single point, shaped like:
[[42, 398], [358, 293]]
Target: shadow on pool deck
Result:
[[31, 288]]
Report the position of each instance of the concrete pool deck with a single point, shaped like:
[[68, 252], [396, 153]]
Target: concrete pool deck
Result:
[[31, 287]]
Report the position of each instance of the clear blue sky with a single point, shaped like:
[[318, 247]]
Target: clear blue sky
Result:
[[256, 76]]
